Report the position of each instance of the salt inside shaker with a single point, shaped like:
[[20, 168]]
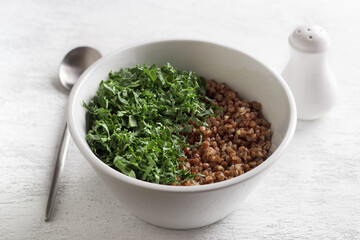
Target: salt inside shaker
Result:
[[308, 73]]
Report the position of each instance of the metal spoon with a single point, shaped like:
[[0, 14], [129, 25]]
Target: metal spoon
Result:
[[71, 67]]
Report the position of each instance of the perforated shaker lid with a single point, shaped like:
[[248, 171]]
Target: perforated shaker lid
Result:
[[310, 39]]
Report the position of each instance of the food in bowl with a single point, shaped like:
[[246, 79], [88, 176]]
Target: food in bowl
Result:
[[167, 126]]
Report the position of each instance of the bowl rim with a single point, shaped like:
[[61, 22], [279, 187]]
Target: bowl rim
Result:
[[100, 165]]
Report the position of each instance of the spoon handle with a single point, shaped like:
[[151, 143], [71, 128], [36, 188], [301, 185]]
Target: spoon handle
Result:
[[57, 172]]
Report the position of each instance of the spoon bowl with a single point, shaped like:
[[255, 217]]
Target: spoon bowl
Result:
[[75, 63]]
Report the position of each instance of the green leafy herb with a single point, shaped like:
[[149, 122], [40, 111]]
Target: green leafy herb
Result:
[[139, 120]]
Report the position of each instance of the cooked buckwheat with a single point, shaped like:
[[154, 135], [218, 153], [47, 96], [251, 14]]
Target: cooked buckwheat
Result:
[[234, 142]]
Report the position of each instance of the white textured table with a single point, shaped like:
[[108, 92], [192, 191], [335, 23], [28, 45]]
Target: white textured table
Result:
[[313, 192]]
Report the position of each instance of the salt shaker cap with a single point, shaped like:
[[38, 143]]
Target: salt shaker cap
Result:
[[310, 39]]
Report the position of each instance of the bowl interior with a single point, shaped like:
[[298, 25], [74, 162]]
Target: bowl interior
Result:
[[253, 80]]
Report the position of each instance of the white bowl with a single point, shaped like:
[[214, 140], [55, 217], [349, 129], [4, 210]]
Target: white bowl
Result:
[[184, 207]]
